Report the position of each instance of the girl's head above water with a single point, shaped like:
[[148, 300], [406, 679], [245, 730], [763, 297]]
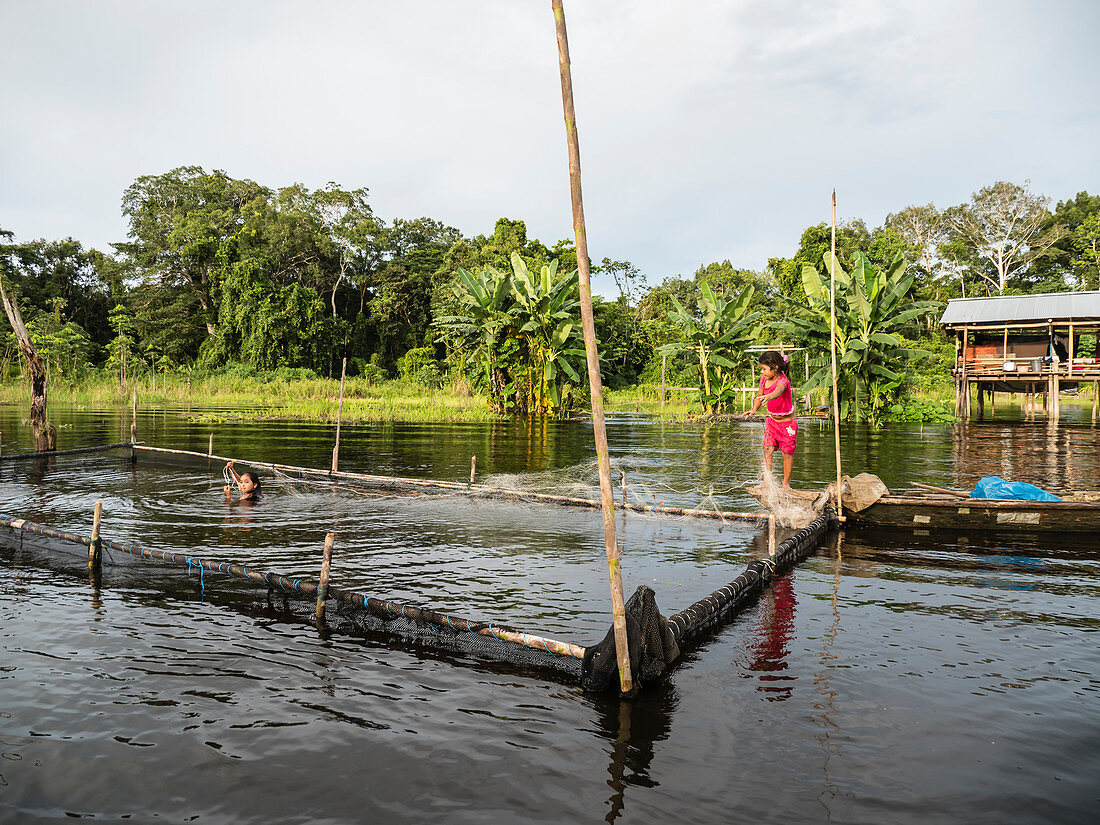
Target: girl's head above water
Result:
[[776, 362]]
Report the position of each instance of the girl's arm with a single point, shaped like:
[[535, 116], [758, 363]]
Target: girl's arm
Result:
[[236, 478], [781, 384]]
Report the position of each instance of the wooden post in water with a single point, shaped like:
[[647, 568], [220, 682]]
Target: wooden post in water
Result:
[[618, 607], [1095, 398], [473, 469], [832, 355], [322, 585], [133, 418], [771, 534], [622, 486], [339, 417], [210, 449], [664, 361], [94, 546]]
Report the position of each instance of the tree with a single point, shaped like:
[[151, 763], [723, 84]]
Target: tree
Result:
[[1074, 256], [546, 311], [786, 273], [717, 335], [1003, 226], [184, 225], [45, 436], [872, 309]]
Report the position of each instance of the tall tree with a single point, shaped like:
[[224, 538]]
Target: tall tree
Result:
[[1003, 226], [183, 226]]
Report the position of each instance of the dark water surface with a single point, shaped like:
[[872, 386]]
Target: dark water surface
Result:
[[891, 678]]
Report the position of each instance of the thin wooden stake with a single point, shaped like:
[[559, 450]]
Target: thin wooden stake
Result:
[[322, 585], [771, 534], [622, 485], [210, 449], [133, 419], [618, 607], [339, 418], [664, 361], [94, 546], [832, 353], [473, 469]]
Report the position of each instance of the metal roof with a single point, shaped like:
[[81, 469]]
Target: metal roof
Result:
[[1055, 306]]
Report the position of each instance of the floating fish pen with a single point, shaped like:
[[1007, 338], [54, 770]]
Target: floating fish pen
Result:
[[656, 642]]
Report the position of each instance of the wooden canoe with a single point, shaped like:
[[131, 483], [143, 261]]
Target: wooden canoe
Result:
[[923, 509]]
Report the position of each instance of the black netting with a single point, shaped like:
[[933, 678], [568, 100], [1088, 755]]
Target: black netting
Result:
[[652, 647]]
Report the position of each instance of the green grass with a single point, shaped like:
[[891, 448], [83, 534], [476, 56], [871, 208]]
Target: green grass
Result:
[[262, 397]]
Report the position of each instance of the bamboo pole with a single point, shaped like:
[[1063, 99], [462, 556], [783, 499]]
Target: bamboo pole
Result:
[[339, 417], [832, 355], [1095, 398], [618, 607], [322, 584], [664, 362], [622, 486], [473, 469], [771, 534], [95, 545], [133, 418], [210, 450]]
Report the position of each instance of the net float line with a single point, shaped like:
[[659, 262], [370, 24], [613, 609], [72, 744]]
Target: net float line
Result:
[[463, 487], [383, 608], [95, 449], [722, 602]]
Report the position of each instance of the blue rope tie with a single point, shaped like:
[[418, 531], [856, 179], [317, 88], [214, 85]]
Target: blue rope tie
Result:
[[202, 583]]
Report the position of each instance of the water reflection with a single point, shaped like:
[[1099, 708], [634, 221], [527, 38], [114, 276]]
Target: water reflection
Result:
[[825, 695], [634, 728]]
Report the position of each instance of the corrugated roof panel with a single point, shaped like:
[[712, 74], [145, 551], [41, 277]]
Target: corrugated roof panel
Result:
[[1059, 306]]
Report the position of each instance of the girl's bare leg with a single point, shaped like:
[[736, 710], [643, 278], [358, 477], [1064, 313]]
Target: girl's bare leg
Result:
[[788, 463], [768, 449]]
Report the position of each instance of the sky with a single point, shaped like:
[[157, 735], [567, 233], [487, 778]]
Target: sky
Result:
[[709, 130]]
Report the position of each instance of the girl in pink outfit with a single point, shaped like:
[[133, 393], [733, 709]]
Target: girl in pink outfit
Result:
[[781, 426]]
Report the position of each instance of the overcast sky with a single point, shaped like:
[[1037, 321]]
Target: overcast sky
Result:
[[709, 130]]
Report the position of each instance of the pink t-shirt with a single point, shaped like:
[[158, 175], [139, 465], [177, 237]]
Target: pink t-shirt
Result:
[[784, 404]]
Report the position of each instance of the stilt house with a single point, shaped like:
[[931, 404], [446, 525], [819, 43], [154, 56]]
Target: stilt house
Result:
[[1031, 344]]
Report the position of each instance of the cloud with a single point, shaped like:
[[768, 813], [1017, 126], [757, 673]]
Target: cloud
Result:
[[709, 130]]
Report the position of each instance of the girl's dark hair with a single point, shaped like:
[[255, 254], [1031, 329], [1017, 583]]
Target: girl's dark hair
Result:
[[255, 479], [777, 362]]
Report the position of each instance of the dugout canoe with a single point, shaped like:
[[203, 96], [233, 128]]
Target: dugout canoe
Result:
[[955, 510]]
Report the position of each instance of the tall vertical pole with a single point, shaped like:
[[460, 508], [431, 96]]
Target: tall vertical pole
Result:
[[607, 496], [339, 418], [95, 544], [322, 584], [832, 355]]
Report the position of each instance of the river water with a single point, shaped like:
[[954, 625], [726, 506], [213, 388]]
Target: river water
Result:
[[891, 677]]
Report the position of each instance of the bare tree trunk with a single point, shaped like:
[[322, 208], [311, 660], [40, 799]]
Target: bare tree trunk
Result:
[[45, 436]]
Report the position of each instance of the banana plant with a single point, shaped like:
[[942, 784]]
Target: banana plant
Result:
[[486, 298], [872, 308], [546, 309], [717, 335]]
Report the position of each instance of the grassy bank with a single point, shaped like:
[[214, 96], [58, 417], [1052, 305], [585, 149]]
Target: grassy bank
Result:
[[259, 397]]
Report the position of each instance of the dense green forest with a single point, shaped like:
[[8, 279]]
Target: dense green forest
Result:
[[219, 274]]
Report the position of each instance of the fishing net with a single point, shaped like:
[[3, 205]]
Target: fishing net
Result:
[[655, 642]]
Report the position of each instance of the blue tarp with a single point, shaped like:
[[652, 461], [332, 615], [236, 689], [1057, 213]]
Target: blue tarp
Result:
[[994, 487]]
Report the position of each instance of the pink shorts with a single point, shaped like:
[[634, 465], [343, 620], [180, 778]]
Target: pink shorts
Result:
[[781, 434]]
